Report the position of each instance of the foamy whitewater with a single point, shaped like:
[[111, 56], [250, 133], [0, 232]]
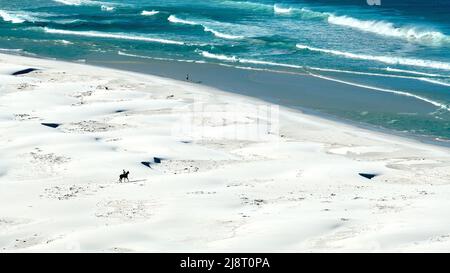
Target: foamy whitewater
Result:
[[395, 46], [149, 13]]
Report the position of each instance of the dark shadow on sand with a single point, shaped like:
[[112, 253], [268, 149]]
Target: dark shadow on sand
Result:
[[156, 160], [146, 163], [24, 71], [368, 175], [51, 125]]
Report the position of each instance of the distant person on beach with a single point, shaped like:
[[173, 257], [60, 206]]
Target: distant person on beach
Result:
[[187, 77]]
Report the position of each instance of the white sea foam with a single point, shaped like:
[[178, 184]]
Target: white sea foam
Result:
[[11, 49], [247, 5], [149, 13], [64, 42], [73, 2], [403, 93], [206, 54], [133, 55], [176, 20], [280, 10], [388, 29], [235, 59], [107, 8], [434, 81], [383, 59], [309, 14], [9, 17], [112, 36], [69, 21], [379, 27], [251, 61], [157, 58], [387, 75], [361, 73], [18, 17], [69, 2], [222, 35], [414, 72], [82, 2]]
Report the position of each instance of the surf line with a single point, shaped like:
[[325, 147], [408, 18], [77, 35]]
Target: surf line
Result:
[[403, 93]]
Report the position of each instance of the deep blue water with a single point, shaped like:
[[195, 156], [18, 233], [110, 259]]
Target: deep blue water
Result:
[[349, 40]]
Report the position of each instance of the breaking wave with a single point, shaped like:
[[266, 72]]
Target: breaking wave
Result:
[[235, 59], [157, 58], [379, 27], [223, 35], [280, 10], [388, 29], [176, 20], [149, 13], [403, 93], [414, 72], [112, 36], [17, 17], [8, 17], [383, 59], [81, 2], [107, 8]]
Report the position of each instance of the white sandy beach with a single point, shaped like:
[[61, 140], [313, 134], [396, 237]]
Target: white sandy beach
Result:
[[237, 174]]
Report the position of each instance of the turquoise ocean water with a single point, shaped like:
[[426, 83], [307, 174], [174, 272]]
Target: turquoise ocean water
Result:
[[401, 48]]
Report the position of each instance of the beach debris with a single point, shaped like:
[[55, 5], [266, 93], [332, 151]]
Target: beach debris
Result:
[[24, 71], [367, 175], [51, 125]]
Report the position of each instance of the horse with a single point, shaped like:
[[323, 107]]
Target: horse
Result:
[[124, 176]]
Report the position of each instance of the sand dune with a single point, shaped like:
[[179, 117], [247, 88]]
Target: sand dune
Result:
[[236, 174]]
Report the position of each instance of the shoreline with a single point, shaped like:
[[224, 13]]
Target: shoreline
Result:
[[428, 140], [171, 71], [220, 178], [242, 90]]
